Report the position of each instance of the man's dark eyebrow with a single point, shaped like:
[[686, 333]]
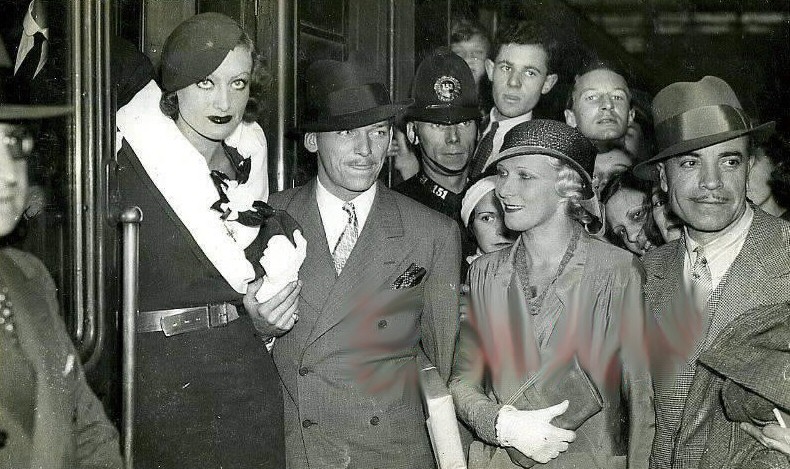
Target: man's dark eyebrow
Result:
[[720, 155]]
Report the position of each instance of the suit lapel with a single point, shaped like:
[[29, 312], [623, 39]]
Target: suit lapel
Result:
[[377, 253], [668, 280], [756, 265], [318, 272]]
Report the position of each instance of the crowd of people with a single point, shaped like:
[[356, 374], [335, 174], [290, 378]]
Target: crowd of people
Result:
[[596, 290]]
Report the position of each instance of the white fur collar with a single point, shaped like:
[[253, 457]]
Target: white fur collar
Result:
[[183, 177]]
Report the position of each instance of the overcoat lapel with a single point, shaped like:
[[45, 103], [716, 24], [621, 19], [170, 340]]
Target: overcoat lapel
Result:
[[378, 252]]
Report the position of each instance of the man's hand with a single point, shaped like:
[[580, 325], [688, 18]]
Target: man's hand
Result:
[[277, 315], [530, 432], [771, 436]]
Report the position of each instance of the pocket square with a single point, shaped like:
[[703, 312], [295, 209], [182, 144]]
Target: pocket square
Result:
[[411, 277]]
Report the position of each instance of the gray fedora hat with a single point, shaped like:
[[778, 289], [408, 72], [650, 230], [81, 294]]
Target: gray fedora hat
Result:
[[688, 116]]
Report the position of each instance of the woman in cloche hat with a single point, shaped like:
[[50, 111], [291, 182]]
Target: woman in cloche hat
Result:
[[193, 159], [541, 372]]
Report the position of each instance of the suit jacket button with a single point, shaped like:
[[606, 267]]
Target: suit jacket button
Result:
[[303, 371], [382, 324], [3, 438], [307, 423], [374, 420]]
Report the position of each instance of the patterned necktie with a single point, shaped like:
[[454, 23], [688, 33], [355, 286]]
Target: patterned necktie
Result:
[[347, 239], [483, 152], [701, 279]]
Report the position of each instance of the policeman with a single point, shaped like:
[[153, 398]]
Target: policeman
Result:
[[442, 124]]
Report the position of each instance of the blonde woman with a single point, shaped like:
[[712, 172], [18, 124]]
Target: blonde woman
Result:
[[541, 373]]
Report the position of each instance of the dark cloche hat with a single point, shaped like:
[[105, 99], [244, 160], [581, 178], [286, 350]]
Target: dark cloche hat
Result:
[[550, 138], [196, 48], [688, 116], [444, 90], [11, 107], [340, 97]]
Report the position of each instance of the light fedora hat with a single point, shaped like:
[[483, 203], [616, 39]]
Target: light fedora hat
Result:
[[688, 116]]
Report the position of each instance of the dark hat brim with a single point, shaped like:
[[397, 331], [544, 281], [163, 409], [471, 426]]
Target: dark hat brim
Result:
[[646, 169], [355, 119], [443, 115], [532, 150], [15, 112]]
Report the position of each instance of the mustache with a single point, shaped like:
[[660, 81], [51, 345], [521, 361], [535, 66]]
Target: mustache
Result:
[[710, 198]]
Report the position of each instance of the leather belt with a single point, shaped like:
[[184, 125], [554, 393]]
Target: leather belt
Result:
[[181, 320]]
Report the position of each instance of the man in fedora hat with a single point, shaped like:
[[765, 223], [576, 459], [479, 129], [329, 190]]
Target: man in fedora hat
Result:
[[49, 417], [442, 123], [380, 290], [731, 257]]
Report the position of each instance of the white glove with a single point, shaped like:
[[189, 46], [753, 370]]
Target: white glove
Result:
[[282, 261], [530, 432]]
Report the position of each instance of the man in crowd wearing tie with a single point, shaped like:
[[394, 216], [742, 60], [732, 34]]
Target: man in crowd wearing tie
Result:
[[380, 290], [522, 70], [731, 258], [442, 124]]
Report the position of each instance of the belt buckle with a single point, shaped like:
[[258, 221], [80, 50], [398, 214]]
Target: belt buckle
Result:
[[218, 315], [193, 319]]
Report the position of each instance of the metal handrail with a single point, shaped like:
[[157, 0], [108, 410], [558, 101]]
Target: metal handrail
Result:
[[130, 221]]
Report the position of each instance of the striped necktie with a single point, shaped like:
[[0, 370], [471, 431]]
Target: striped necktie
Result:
[[347, 239]]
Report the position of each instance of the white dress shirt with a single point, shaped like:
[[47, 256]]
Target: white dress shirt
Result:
[[722, 251], [335, 218], [505, 124]]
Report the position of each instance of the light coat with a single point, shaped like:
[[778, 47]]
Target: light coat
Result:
[[69, 427], [602, 285]]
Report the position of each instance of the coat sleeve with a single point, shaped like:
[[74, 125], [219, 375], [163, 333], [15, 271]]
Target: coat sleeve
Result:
[[472, 403], [96, 438], [439, 321], [636, 382]]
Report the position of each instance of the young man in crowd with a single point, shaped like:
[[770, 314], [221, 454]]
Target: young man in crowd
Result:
[[600, 104], [521, 71], [731, 258], [380, 289]]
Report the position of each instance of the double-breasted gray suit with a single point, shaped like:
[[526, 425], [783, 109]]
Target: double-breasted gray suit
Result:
[[760, 275], [349, 364]]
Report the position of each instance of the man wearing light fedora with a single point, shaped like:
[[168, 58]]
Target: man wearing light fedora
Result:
[[49, 416], [731, 258], [380, 290], [442, 123]]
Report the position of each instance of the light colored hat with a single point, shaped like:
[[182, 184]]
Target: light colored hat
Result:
[[473, 195], [688, 116]]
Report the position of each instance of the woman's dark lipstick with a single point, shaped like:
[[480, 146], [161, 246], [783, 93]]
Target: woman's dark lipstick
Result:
[[220, 119]]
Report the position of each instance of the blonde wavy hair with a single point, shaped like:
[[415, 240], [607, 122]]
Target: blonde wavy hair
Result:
[[570, 186]]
